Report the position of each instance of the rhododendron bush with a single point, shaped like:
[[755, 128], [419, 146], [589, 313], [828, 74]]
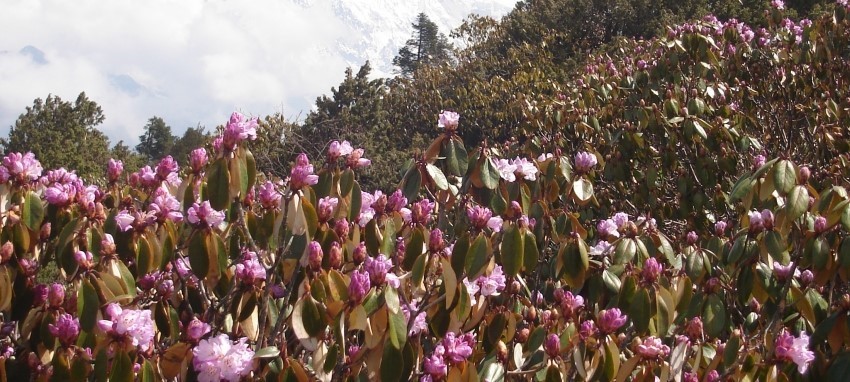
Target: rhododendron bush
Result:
[[487, 263]]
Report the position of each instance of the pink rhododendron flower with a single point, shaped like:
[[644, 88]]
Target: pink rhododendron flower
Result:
[[652, 348], [337, 149], [302, 173], [135, 326], [217, 358], [793, 349], [448, 120], [525, 168], [610, 320], [269, 197], [65, 329], [238, 129], [198, 159], [203, 215], [377, 267], [21, 168], [507, 170], [114, 169], [585, 162]]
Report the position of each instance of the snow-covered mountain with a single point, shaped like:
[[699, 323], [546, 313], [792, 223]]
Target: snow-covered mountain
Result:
[[382, 27], [193, 62]]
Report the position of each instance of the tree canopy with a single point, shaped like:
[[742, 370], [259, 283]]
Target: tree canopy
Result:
[[427, 46], [61, 134]]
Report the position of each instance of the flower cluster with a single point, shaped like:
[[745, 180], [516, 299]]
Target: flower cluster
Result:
[[302, 173], [487, 285], [451, 350], [131, 326], [509, 169], [794, 349], [220, 359], [203, 215]]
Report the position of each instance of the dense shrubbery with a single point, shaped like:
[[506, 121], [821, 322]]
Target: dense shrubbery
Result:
[[679, 210]]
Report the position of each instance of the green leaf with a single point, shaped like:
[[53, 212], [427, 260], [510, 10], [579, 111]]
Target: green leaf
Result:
[[411, 183], [392, 364], [583, 190], [218, 185], [489, 174], [346, 182], [88, 304], [311, 318], [641, 310], [32, 212], [356, 202], [625, 251], [840, 368], [477, 257], [122, 368], [511, 250], [147, 374], [397, 329], [531, 254], [267, 352], [388, 244], [797, 203], [457, 160], [784, 176], [459, 254], [199, 257], [413, 248], [741, 189], [575, 264], [714, 316], [437, 176]]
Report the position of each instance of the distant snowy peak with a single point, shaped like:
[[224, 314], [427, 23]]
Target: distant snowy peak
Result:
[[382, 27]]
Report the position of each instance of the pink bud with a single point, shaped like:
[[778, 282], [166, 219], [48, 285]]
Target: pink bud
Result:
[[692, 238], [552, 345], [315, 255], [56, 295], [359, 254], [820, 225], [341, 227], [335, 256], [6, 252], [435, 241]]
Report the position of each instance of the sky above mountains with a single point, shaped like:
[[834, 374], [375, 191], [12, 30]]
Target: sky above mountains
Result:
[[192, 62]]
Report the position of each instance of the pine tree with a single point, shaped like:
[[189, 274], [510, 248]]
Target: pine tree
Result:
[[62, 134], [427, 47], [157, 140]]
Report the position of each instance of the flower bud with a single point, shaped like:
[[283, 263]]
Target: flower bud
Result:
[[692, 238], [44, 232], [767, 219], [147, 282], [552, 345], [341, 228], [720, 228], [315, 255], [820, 225], [198, 160], [695, 328], [56, 295], [359, 254], [501, 351], [805, 173], [114, 169], [335, 256], [651, 270], [806, 278], [359, 286], [435, 241], [522, 335], [39, 295], [6, 252], [277, 291], [197, 329]]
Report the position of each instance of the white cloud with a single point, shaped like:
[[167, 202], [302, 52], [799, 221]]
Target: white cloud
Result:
[[193, 61]]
